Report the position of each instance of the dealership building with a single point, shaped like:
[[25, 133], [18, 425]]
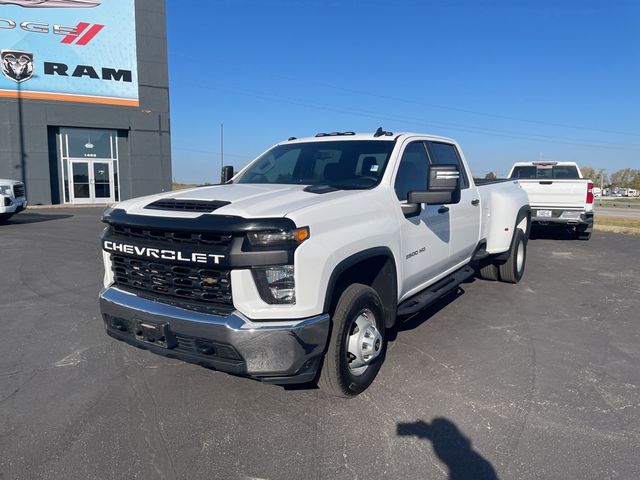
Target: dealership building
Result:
[[84, 99]]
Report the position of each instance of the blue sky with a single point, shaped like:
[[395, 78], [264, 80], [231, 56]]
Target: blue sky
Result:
[[510, 80]]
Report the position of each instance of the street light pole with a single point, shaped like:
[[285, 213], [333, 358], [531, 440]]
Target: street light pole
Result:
[[221, 147]]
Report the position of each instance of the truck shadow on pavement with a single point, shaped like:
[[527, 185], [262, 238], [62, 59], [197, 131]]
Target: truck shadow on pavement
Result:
[[26, 218], [554, 233], [452, 448], [417, 319]]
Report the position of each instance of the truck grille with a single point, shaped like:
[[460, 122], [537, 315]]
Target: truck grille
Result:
[[18, 190], [163, 236], [194, 286]]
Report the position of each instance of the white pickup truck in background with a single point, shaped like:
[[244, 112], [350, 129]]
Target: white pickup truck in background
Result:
[[12, 198], [558, 195], [293, 270]]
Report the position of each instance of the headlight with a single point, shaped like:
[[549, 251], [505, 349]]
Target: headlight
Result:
[[5, 189], [278, 238], [276, 284]]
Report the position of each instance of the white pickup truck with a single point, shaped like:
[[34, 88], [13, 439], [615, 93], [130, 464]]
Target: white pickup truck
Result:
[[12, 198], [294, 269], [558, 195]]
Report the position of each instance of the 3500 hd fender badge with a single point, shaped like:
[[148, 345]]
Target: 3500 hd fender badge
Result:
[[159, 253]]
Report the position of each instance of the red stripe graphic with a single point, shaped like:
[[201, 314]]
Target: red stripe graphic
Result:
[[76, 33], [87, 37]]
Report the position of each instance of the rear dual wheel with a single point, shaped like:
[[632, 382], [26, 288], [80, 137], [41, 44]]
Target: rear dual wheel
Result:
[[489, 271], [582, 234], [512, 270], [357, 343]]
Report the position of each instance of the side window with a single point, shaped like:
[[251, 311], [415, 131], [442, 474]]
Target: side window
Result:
[[446, 154], [413, 170]]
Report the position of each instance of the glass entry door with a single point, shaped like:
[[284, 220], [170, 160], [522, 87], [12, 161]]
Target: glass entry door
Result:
[[92, 181], [102, 181], [89, 165]]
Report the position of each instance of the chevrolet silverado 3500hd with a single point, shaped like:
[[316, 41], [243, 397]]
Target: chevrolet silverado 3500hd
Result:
[[294, 269]]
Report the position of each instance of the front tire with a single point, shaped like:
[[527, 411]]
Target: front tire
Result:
[[513, 269], [357, 343], [5, 216]]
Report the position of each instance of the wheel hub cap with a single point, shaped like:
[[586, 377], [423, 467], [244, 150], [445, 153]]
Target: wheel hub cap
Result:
[[520, 256], [364, 343]]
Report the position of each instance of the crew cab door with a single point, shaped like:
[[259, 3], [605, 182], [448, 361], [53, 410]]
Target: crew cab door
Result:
[[425, 235], [465, 215]]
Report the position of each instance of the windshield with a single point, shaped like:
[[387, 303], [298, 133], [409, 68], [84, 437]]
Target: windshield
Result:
[[542, 172], [352, 164]]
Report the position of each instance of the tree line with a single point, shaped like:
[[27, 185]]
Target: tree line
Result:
[[625, 178]]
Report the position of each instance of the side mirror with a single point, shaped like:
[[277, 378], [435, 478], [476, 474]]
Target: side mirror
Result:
[[443, 178], [226, 174], [443, 186]]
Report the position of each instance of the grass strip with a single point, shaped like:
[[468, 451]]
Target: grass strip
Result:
[[606, 223]]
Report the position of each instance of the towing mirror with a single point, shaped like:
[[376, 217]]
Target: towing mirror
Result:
[[443, 178], [444, 186], [226, 174]]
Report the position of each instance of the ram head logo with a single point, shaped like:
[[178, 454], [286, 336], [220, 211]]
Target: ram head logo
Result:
[[17, 65], [52, 3]]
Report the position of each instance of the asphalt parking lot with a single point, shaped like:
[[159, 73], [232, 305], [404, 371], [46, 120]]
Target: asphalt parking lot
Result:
[[539, 380]]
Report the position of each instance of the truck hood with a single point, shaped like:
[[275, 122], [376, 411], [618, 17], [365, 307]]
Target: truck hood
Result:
[[246, 200]]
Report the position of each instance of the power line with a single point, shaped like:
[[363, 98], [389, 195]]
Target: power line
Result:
[[433, 105], [416, 121]]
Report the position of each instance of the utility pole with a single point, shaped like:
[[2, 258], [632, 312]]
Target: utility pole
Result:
[[221, 147]]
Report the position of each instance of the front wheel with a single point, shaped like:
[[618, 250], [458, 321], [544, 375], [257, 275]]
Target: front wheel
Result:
[[357, 343], [513, 269], [5, 216]]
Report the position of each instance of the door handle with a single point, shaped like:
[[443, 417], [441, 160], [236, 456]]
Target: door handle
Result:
[[475, 202], [443, 209]]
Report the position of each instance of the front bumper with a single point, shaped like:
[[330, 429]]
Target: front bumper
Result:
[[11, 205], [276, 351]]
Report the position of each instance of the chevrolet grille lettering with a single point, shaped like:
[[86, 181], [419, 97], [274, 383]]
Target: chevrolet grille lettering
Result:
[[164, 254]]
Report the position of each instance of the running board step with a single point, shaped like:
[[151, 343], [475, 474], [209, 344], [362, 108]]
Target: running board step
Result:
[[434, 292]]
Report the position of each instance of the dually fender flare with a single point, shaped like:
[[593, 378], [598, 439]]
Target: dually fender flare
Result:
[[354, 259], [524, 212]]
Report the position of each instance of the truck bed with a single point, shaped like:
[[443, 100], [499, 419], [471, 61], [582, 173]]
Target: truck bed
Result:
[[480, 182]]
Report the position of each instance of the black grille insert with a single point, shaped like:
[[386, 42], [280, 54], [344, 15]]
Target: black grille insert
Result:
[[175, 204], [18, 190], [156, 235], [190, 284]]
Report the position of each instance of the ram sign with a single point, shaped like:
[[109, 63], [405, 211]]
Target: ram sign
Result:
[[69, 50]]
